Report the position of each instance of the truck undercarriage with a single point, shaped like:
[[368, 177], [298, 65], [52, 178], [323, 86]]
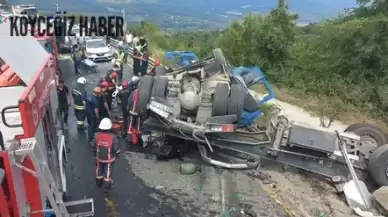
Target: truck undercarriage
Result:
[[208, 105]]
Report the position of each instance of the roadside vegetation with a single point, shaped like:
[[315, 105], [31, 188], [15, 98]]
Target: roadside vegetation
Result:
[[337, 67]]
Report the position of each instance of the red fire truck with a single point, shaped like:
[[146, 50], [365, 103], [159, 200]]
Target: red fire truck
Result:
[[32, 144]]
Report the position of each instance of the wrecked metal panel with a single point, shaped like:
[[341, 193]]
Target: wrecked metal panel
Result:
[[312, 139]]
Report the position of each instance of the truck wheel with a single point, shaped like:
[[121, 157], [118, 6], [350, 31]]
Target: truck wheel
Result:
[[219, 57], [221, 97], [378, 166], [159, 89], [236, 100], [144, 89], [372, 137], [160, 70]]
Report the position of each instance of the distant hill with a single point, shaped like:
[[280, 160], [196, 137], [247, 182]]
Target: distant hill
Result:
[[214, 13]]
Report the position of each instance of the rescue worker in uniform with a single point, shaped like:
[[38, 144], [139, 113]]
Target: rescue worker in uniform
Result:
[[92, 111], [134, 119], [124, 95], [111, 79], [107, 149], [63, 100], [103, 105], [79, 100]]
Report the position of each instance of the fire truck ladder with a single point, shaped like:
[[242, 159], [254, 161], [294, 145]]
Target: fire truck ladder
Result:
[[28, 147]]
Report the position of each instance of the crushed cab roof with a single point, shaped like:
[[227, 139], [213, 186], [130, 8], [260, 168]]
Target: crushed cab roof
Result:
[[23, 53]]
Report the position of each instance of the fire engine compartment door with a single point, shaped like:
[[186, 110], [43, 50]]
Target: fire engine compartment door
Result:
[[62, 157]]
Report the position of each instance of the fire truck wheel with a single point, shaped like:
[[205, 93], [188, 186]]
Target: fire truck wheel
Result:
[[236, 100], [160, 70], [372, 137], [159, 89], [378, 166], [145, 88], [221, 97]]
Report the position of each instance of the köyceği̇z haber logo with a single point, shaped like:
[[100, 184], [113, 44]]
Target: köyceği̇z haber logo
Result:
[[62, 25]]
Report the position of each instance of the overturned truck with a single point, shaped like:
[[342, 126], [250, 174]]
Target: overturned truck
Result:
[[208, 104]]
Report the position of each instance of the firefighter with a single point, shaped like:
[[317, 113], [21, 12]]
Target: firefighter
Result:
[[132, 84], [111, 79], [79, 100], [63, 100], [103, 105], [152, 71], [124, 95], [107, 150], [134, 119], [93, 113]]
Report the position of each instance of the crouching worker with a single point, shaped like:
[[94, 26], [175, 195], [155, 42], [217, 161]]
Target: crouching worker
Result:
[[106, 150]]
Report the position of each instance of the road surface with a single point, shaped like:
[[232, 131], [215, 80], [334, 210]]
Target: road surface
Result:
[[144, 187]]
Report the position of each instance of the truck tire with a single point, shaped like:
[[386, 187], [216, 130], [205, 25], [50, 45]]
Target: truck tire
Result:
[[160, 70], [144, 89], [378, 164], [221, 97], [159, 89], [219, 57], [368, 131], [236, 100]]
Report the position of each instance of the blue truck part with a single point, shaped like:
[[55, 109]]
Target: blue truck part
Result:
[[181, 58], [252, 76]]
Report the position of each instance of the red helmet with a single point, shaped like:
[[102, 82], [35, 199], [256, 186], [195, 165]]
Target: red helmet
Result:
[[124, 84], [114, 74], [157, 62], [104, 84]]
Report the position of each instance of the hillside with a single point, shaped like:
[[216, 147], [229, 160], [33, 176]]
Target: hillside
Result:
[[193, 14]]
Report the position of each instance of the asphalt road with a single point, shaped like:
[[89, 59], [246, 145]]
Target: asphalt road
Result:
[[144, 187]]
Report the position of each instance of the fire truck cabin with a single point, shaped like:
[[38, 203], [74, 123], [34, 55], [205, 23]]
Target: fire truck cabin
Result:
[[32, 145]]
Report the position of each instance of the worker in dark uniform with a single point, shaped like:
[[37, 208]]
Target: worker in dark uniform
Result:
[[92, 111], [111, 79], [124, 95], [63, 100], [79, 100], [107, 150], [103, 105]]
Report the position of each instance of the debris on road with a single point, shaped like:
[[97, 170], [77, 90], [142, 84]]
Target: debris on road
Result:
[[187, 168], [380, 197]]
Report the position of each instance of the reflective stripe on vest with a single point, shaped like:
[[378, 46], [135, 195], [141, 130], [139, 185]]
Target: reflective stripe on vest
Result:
[[79, 103]]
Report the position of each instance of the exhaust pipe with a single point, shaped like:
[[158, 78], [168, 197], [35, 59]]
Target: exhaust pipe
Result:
[[239, 166]]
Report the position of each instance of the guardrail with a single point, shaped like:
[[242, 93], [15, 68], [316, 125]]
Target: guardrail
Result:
[[115, 43]]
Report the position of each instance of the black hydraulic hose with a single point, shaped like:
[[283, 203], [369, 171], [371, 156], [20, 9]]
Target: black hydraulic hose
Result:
[[2, 141]]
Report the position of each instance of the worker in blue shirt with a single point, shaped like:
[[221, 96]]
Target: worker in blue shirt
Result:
[[92, 112]]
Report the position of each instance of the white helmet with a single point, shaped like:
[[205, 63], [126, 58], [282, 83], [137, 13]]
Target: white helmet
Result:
[[81, 80], [105, 124], [135, 79]]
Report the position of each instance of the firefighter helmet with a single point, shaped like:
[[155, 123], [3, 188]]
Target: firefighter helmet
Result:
[[124, 84], [135, 79], [114, 75], [157, 62], [81, 80], [105, 124], [104, 84]]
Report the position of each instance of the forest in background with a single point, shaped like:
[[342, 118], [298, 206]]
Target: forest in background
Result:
[[338, 66]]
